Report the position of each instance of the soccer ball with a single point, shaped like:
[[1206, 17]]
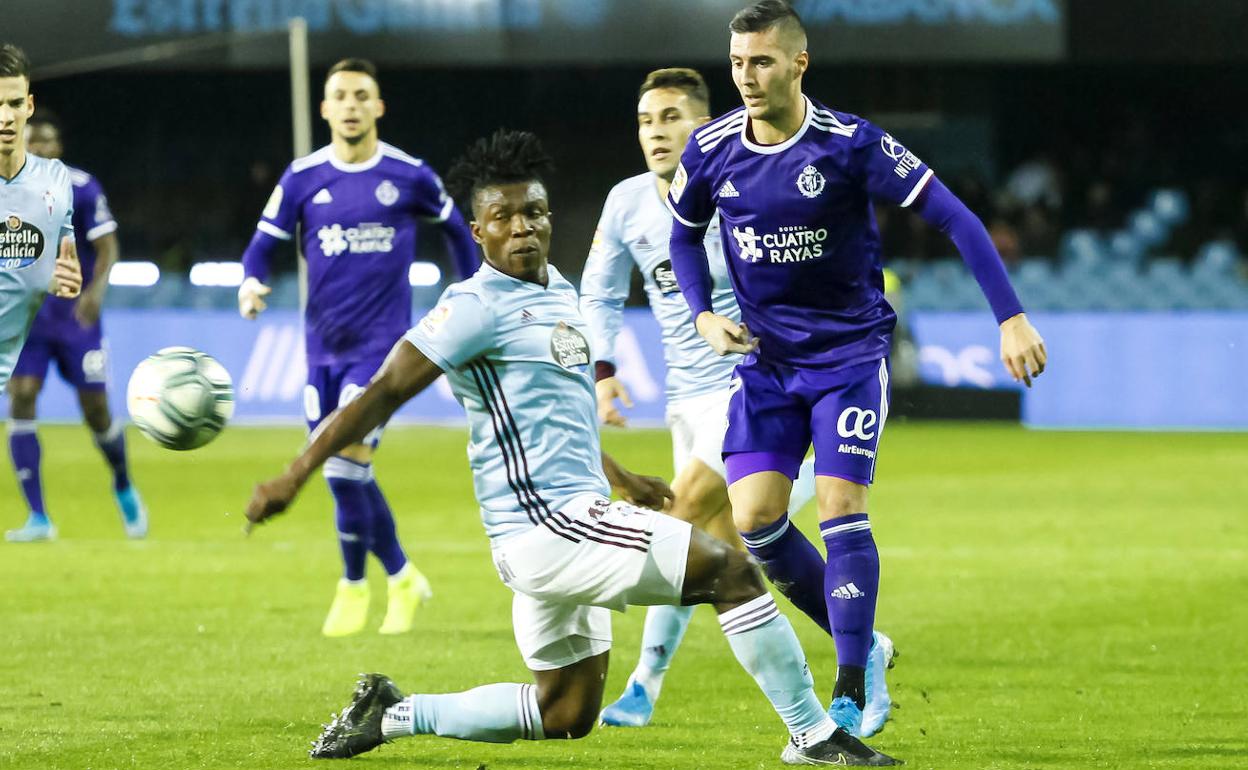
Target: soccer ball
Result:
[[180, 398]]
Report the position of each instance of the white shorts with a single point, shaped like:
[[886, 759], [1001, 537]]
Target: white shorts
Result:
[[698, 425], [594, 556]]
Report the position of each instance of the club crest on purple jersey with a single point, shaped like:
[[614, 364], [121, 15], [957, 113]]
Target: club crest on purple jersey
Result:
[[810, 182]]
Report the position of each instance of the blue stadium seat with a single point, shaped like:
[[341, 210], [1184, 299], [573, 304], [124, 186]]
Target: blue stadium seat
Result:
[[1081, 246], [1148, 227], [1170, 205], [1126, 246]]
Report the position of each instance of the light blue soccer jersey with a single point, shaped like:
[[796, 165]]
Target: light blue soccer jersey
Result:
[[518, 360], [37, 206], [635, 229]]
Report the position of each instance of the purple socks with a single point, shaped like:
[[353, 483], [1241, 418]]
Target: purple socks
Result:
[[24, 448], [793, 565], [385, 541], [851, 582]]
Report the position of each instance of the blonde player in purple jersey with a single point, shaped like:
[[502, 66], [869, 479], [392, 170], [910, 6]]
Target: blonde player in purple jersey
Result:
[[356, 205], [793, 183]]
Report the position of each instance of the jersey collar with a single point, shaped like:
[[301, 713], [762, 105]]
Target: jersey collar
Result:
[[355, 168], [772, 149]]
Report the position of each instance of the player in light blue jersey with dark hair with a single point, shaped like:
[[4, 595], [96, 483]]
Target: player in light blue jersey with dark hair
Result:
[[633, 233], [69, 332], [37, 254], [514, 346], [355, 205], [792, 183]]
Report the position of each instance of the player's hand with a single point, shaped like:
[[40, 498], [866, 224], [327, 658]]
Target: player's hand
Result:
[[87, 309], [271, 498], [251, 298], [1022, 349], [725, 335], [646, 491], [609, 389], [67, 275]]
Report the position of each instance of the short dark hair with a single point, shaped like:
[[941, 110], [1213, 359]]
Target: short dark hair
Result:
[[681, 78], [13, 62], [353, 64], [506, 157], [764, 15]]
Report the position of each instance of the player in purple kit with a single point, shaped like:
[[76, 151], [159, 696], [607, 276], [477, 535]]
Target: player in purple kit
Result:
[[793, 183], [356, 204], [69, 332]]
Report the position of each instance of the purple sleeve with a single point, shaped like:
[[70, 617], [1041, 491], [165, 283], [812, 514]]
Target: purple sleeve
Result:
[[693, 273], [464, 251], [259, 255], [888, 170], [277, 223], [692, 207], [942, 209]]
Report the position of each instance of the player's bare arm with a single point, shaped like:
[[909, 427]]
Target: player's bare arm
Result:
[[609, 389], [67, 277], [107, 251], [406, 373], [647, 491]]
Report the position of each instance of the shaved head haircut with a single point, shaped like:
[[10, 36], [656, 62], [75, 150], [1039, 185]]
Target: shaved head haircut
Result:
[[772, 14]]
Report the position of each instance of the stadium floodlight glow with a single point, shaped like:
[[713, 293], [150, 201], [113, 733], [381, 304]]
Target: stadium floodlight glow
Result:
[[217, 274], [134, 274], [424, 274]]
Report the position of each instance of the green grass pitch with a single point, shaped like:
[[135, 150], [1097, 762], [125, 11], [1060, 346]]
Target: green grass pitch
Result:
[[1060, 601]]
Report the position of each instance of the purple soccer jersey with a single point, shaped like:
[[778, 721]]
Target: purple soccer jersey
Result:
[[357, 226], [799, 234], [92, 220]]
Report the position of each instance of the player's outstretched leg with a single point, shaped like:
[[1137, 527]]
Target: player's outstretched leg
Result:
[[26, 453], [352, 514], [563, 703], [766, 647], [407, 587], [110, 439]]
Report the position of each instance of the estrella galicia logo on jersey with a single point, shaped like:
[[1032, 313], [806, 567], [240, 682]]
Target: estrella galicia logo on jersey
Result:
[[366, 238], [387, 194], [21, 243], [569, 347], [810, 182], [906, 160], [665, 278]]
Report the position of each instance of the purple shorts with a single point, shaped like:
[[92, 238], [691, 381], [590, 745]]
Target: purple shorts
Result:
[[777, 412], [330, 387], [80, 355]]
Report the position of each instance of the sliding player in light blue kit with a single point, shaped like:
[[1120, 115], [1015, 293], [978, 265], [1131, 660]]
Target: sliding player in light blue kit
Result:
[[512, 343]]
